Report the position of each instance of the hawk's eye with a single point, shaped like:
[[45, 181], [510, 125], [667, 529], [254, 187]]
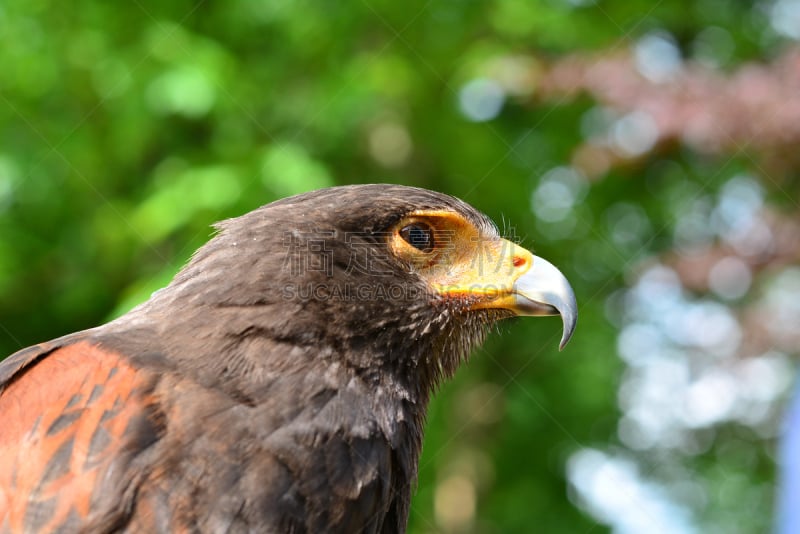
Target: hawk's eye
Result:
[[419, 236]]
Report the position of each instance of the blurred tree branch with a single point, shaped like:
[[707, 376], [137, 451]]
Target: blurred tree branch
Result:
[[756, 107]]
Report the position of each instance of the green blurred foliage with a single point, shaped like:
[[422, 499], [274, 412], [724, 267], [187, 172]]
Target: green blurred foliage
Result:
[[128, 128]]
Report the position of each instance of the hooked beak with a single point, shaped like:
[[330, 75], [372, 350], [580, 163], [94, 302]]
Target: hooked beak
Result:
[[543, 290], [520, 282]]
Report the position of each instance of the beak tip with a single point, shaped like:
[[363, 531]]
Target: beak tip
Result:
[[569, 318], [564, 340], [543, 290]]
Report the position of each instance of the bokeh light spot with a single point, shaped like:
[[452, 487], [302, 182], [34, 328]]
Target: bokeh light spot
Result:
[[481, 100], [657, 57], [390, 144]]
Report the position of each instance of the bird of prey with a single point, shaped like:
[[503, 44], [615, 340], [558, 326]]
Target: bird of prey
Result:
[[278, 384]]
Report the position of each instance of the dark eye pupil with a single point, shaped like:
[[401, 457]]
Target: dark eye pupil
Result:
[[419, 237]]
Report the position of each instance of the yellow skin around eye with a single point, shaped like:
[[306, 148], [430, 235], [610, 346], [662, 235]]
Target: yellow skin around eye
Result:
[[463, 264]]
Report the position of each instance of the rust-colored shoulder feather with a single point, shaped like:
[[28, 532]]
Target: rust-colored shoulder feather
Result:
[[75, 413]]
